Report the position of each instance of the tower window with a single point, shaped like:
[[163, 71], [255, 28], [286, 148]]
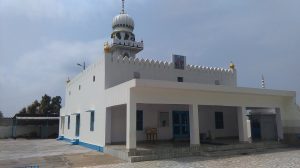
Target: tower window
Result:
[[118, 35], [126, 55], [94, 78], [126, 37], [179, 79], [79, 87]]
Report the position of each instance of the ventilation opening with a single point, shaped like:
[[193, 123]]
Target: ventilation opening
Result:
[[136, 75], [179, 79]]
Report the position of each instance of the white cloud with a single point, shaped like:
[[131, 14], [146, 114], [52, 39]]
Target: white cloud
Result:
[[55, 9], [43, 71]]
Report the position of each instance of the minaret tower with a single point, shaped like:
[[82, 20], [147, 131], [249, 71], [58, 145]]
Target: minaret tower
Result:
[[123, 40]]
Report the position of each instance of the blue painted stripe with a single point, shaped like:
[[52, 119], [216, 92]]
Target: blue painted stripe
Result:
[[84, 144], [60, 138], [91, 146], [67, 139]]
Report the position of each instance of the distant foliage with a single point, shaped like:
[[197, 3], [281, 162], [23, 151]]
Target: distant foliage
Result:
[[1, 114], [46, 107]]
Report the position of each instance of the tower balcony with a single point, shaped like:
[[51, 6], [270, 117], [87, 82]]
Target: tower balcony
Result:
[[126, 43]]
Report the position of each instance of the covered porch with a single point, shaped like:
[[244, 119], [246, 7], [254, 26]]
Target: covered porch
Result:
[[206, 115], [174, 123]]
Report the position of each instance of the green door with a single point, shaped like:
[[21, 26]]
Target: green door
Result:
[[77, 125], [181, 128]]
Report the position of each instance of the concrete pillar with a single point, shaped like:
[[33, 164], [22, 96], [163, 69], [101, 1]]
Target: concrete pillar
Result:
[[131, 124], [194, 124], [60, 130], [108, 126], [244, 125], [279, 124]]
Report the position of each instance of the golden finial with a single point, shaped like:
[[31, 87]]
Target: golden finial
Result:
[[232, 66], [106, 47]]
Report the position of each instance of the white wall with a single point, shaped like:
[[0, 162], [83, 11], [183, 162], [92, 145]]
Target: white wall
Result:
[[118, 124], [151, 120], [26, 130], [207, 121], [91, 96], [5, 131], [119, 70]]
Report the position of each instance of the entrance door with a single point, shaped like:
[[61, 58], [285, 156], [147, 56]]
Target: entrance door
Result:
[[77, 125], [181, 128], [255, 129]]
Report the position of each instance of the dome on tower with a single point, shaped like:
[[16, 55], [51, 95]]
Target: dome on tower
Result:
[[123, 22]]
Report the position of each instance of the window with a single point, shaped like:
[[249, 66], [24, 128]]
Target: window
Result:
[[69, 93], [69, 122], [139, 120], [179, 62], [94, 78], [136, 75], [79, 87], [164, 119], [219, 122], [92, 119], [217, 82], [179, 79]]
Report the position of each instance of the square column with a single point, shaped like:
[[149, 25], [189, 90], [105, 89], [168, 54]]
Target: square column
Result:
[[244, 125], [194, 124], [131, 125], [108, 126]]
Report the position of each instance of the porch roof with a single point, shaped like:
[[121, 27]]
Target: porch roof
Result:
[[121, 93], [210, 88], [144, 83]]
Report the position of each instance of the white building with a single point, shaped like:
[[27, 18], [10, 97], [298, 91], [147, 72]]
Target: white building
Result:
[[118, 98]]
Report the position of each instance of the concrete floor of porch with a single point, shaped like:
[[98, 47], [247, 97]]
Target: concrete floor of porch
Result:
[[147, 150]]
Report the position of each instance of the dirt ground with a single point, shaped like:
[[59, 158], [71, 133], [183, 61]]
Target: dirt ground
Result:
[[23, 153]]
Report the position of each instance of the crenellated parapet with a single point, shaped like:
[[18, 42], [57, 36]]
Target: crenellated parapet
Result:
[[165, 64]]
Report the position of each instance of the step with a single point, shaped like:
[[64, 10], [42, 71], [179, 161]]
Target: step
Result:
[[165, 151], [162, 156], [244, 146], [238, 150]]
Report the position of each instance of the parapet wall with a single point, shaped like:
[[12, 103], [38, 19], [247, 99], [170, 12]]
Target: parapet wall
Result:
[[166, 65], [119, 70]]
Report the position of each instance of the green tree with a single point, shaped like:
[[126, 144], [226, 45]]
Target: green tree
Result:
[[33, 108], [23, 111], [55, 105], [1, 114], [45, 105]]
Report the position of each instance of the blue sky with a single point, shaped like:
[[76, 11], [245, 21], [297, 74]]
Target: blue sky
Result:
[[41, 41]]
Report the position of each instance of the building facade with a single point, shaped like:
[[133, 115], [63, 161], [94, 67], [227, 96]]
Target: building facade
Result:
[[120, 97]]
